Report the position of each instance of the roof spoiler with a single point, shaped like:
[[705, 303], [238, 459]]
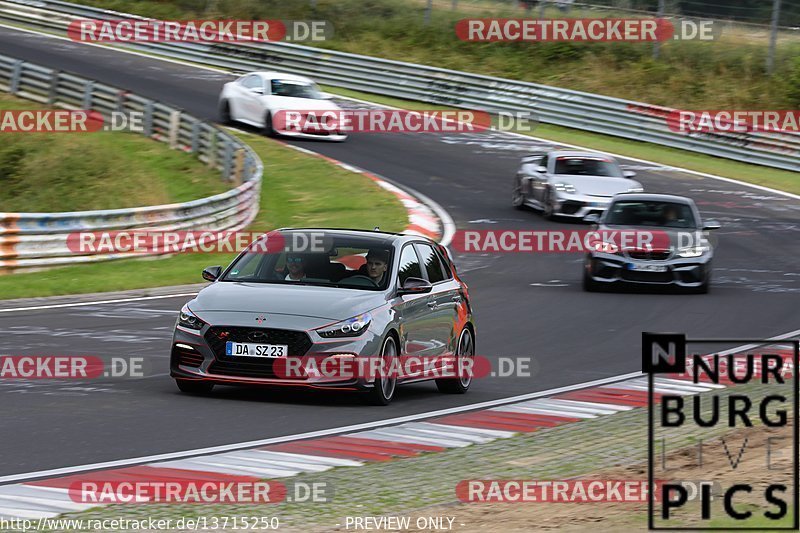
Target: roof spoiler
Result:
[[532, 156]]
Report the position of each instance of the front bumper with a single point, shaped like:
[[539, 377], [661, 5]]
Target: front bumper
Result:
[[578, 206], [681, 272], [201, 356], [333, 137]]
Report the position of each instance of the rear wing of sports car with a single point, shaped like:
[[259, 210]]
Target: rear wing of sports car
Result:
[[532, 157]]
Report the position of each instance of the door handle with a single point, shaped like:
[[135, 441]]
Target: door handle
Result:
[[457, 299], [433, 305]]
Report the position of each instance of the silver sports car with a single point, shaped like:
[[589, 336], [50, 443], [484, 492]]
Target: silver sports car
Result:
[[321, 299], [570, 184]]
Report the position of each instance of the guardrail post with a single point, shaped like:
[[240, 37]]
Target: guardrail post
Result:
[[238, 166], [195, 137], [121, 101], [211, 160], [246, 169], [174, 127], [88, 90], [227, 162], [16, 74], [52, 94], [148, 118]]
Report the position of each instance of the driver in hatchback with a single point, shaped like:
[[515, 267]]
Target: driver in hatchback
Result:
[[376, 265]]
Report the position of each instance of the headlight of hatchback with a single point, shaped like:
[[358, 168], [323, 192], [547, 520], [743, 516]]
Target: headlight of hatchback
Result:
[[352, 327], [189, 320]]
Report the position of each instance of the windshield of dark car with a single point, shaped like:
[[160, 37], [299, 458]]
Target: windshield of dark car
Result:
[[295, 89], [653, 213], [583, 166], [342, 263]]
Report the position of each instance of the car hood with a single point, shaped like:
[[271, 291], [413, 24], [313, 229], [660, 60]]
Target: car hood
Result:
[[288, 103], [327, 303], [597, 185]]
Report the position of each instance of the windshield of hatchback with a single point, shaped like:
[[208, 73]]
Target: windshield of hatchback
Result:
[[332, 261]]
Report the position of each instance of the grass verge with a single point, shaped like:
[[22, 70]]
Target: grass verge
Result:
[[297, 190], [47, 172]]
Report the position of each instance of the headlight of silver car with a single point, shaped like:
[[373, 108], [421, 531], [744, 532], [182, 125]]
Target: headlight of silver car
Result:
[[692, 251], [606, 247], [189, 320], [352, 327], [564, 187]]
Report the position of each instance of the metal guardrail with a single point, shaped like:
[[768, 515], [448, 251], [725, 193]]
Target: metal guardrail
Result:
[[40, 239], [572, 109]]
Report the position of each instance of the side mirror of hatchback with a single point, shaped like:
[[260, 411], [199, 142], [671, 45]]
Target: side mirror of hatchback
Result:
[[415, 286]]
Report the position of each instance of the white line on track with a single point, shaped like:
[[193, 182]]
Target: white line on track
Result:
[[96, 302]]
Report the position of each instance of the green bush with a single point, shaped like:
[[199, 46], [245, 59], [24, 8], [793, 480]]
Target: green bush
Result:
[[792, 82]]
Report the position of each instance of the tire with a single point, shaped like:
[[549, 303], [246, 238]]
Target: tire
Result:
[[225, 113], [517, 196], [465, 348], [383, 390], [268, 130], [548, 211], [589, 285], [705, 288], [190, 386]]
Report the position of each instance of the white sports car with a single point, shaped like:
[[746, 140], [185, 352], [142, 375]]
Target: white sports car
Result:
[[263, 99], [570, 184]]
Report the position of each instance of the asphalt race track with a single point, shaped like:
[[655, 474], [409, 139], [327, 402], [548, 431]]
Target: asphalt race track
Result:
[[526, 305]]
